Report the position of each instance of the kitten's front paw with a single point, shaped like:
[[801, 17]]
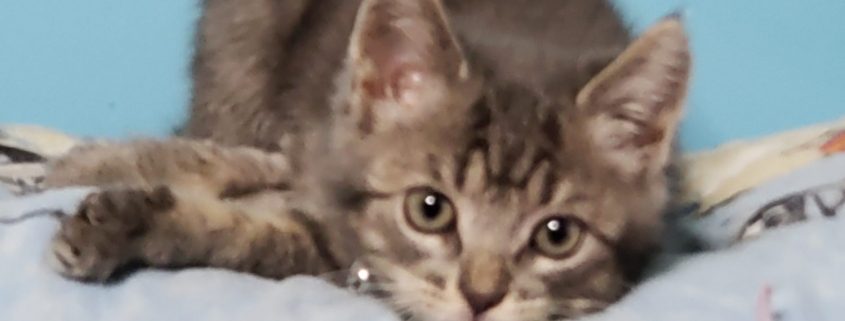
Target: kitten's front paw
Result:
[[103, 233]]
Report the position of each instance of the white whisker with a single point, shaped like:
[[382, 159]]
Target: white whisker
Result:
[[577, 307]]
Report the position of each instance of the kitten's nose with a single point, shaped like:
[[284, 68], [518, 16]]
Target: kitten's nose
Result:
[[484, 282]]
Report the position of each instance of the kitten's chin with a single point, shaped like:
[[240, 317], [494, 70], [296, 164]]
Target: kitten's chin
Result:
[[457, 314], [446, 313], [509, 312], [498, 317]]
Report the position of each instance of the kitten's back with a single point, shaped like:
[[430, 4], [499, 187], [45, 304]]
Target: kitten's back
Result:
[[550, 45], [264, 70]]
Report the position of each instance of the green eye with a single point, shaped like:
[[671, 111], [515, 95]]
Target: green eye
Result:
[[557, 237], [429, 211]]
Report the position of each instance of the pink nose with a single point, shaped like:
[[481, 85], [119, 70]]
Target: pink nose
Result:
[[481, 301], [484, 280]]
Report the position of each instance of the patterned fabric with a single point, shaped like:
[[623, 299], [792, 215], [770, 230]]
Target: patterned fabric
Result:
[[745, 189], [715, 176], [820, 202], [23, 152]]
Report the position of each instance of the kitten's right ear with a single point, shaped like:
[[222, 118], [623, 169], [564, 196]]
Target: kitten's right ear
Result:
[[402, 60]]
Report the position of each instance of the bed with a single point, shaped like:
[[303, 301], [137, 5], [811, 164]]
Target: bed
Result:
[[766, 215]]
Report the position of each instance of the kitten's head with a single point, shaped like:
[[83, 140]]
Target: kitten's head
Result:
[[488, 200]]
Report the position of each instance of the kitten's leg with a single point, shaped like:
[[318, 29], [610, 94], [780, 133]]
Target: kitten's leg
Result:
[[165, 228], [147, 164]]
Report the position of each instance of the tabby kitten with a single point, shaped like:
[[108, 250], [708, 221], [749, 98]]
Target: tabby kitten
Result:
[[489, 160]]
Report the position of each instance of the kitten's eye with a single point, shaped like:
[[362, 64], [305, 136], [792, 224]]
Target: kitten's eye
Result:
[[557, 237], [429, 211]]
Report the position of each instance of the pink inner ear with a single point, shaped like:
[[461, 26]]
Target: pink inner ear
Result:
[[403, 83], [407, 85], [403, 58], [402, 46]]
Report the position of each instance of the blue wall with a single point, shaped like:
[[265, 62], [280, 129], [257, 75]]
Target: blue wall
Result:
[[95, 67], [117, 68]]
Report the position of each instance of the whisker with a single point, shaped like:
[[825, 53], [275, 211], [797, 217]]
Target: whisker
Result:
[[405, 297], [576, 307], [337, 277]]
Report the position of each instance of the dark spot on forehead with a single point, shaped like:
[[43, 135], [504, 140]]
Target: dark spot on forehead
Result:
[[516, 130], [548, 189], [551, 128], [462, 159], [434, 167], [480, 116]]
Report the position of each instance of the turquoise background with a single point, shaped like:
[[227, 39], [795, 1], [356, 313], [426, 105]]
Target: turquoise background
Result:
[[118, 68]]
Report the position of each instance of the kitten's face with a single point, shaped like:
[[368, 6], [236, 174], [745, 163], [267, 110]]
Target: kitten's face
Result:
[[507, 230], [492, 202]]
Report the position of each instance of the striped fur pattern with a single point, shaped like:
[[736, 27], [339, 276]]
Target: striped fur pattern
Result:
[[476, 182]]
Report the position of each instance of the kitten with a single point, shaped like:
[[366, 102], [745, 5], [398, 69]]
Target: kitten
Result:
[[490, 160]]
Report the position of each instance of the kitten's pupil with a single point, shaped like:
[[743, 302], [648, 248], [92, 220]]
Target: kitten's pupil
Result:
[[432, 206], [557, 231]]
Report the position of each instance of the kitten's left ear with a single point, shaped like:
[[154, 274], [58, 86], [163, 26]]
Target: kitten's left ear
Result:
[[633, 107], [403, 60]]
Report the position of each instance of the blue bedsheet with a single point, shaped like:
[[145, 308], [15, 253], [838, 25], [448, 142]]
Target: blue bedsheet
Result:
[[802, 264]]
